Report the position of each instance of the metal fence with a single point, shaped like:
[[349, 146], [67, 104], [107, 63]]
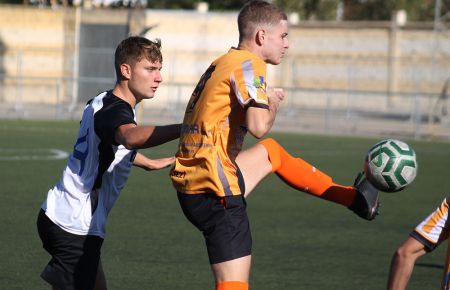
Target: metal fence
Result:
[[337, 112], [370, 79], [353, 111], [317, 111]]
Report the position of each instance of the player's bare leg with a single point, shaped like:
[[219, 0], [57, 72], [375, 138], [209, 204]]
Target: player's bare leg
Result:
[[233, 270], [255, 165]]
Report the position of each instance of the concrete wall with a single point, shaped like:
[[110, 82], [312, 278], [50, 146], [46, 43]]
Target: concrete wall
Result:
[[40, 51], [366, 58], [33, 41], [43, 44]]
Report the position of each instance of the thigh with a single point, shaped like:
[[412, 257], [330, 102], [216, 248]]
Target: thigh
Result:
[[233, 270], [75, 258], [255, 165], [223, 222]]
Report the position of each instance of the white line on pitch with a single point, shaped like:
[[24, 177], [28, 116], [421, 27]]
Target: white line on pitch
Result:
[[32, 154]]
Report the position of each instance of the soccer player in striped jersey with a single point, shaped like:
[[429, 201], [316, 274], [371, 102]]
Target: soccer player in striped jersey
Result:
[[212, 174], [72, 219], [430, 233]]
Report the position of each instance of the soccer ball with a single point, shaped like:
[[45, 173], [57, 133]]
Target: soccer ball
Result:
[[390, 165]]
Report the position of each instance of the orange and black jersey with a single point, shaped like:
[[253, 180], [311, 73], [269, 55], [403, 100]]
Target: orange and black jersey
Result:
[[214, 127]]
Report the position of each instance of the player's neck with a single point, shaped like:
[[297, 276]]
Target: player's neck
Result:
[[250, 47], [125, 94]]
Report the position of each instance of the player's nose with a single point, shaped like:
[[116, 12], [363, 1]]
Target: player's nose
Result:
[[158, 77]]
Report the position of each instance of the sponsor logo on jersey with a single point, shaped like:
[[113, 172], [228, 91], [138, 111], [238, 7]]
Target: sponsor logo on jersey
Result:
[[259, 83]]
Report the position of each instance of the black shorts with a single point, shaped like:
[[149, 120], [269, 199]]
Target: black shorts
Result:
[[223, 222], [75, 258]]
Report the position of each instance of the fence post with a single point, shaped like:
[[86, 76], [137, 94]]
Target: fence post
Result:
[[18, 106]]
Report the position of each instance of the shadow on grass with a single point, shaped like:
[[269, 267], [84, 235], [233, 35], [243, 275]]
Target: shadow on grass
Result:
[[427, 265]]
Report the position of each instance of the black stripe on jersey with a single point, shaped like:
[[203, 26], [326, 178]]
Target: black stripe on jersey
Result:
[[94, 200], [255, 104], [114, 113]]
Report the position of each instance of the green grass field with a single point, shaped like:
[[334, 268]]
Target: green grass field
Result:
[[300, 242]]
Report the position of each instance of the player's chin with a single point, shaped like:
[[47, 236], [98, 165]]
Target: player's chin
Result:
[[273, 61], [149, 96]]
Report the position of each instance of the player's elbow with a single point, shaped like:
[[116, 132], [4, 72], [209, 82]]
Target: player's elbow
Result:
[[131, 144], [259, 121], [259, 131], [259, 135]]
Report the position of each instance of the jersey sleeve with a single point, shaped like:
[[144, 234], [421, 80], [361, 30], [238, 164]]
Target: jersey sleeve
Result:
[[249, 84], [109, 120]]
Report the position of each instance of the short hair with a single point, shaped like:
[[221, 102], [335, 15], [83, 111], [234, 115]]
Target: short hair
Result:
[[135, 48], [256, 13]]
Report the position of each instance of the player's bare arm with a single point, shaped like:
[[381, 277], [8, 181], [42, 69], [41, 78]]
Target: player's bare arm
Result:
[[259, 120], [137, 137], [148, 164]]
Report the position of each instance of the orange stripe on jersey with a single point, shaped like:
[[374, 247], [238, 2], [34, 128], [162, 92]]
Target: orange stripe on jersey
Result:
[[433, 226], [214, 125]]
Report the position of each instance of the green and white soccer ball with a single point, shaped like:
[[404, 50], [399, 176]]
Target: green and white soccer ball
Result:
[[391, 165]]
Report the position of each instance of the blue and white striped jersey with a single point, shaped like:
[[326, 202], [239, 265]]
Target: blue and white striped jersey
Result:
[[96, 171]]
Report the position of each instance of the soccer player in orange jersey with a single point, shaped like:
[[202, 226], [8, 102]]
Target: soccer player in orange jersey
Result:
[[430, 233], [212, 174]]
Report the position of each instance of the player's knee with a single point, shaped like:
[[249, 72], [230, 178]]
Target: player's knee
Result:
[[273, 150], [403, 253]]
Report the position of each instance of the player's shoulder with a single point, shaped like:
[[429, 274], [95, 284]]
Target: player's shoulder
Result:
[[239, 59], [240, 55], [113, 102]]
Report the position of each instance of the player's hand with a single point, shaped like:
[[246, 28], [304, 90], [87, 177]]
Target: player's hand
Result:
[[155, 164], [275, 96], [148, 164]]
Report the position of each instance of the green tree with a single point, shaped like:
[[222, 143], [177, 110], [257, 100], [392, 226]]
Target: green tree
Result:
[[11, 2], [370, 10], [226, 4], [311, 9], [169, 4], [190, 4], [417, 10]]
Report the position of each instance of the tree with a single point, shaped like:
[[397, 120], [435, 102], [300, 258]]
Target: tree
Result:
[[417, 10], [311, 9], [369, 10], [190, 4], [11, 2]]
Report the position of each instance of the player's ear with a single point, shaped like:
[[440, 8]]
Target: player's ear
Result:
[[260, 36], [125, 70]]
